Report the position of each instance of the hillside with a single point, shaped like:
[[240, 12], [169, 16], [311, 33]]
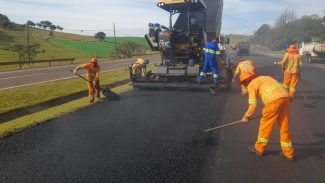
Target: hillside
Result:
[[60, 45]]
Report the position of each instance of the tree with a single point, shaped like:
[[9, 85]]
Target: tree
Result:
[[4, 21], [59, 27], [45, 24], [30, 23], [130, 48], [286, 17], [22, 51], [100, 36]]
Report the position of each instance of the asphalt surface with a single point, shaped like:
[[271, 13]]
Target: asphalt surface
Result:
[[20, 78], [153, 136]]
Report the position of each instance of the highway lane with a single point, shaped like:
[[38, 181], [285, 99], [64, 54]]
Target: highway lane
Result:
[[152, 136], [231, 161], [15, 79]]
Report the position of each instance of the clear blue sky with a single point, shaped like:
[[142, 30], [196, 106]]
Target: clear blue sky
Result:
[[132, 16]]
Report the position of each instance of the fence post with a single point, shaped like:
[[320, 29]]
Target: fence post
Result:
[[49, 63]]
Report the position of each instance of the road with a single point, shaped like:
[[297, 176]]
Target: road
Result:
[[153, 136], [20, 78]]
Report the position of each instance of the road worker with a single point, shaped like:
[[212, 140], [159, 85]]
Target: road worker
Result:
[[245, 67], [277, 102], [92, 70], [140, 64], [232, 54], [212, 56], [291, 66]]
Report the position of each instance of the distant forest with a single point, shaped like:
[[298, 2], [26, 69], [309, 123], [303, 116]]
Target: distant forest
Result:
[[289, 29]]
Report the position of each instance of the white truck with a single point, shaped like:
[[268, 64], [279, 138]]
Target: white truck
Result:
[[312, 51]]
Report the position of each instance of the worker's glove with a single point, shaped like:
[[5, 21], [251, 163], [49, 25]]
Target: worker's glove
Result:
[[245, 119], [75, 71], [275, 63]]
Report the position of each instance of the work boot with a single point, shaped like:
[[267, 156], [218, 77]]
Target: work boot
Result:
[[91, 98], [215, 81], [253, 150], [287, 158], [200, 80]]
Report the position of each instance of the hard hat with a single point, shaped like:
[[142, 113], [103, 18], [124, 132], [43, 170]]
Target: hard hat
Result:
[[292, 48], [150, 24], [94, 60], [246, 76]]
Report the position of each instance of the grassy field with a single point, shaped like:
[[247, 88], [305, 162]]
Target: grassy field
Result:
[[95, 48], [60, 45]]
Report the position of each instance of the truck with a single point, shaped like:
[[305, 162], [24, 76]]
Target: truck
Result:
[[312, 51], [243, 48], [181, 43]]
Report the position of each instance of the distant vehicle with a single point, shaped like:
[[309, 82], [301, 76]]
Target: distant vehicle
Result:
[[312, 51], [243, 48]]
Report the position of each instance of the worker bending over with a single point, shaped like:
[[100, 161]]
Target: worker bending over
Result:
[[291, 66], [244, 68], [276, 110], [212, 56], [92, 70], [140, 64]]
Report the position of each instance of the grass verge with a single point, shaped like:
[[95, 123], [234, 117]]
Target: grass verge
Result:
[[28, 96], [20, 124]]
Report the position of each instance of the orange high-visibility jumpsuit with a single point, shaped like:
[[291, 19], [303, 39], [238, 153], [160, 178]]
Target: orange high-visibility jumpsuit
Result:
[[245, 67], [291, 65], [93, 80], [276, 109], [139, 63]]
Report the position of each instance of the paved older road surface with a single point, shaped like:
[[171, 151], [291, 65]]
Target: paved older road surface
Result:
[[152, 136]]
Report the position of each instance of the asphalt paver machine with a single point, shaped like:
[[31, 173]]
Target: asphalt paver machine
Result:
[[181, 43]]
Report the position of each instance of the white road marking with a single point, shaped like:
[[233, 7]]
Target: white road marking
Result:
[[22, 76]]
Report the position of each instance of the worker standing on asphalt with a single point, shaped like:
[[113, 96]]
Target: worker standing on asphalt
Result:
[[244, 68], [232, 54], [212, 56], [92, 70], [291, 66], [276, 110], [140, 64]]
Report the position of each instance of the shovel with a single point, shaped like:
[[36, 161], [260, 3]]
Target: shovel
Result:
[[307, 103], [109, 94]]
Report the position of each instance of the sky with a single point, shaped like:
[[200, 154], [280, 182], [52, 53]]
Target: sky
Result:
[[132, 16]]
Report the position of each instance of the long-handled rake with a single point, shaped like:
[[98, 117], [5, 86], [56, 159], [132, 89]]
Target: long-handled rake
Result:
[[109, 94], [307, 103], [228, 124]]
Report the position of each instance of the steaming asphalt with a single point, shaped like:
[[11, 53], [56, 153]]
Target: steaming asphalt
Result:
[[152, 136]]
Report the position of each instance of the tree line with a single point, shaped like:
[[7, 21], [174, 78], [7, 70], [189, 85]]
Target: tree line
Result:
[[290, 29]]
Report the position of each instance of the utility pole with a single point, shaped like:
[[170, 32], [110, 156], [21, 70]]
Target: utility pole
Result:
[[115, 40], [28, 48]]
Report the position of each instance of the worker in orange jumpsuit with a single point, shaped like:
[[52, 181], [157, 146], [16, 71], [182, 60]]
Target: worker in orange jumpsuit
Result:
[[291, 65], [92, 70], [140, 64], [245, 67], [277, 102]]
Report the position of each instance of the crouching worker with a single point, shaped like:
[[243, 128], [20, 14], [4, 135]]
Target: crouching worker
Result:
[[92, 70], [276, 101], [245, 67], [139, 67]]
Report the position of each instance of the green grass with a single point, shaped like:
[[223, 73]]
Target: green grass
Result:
[[61, 45], [32, 95], [25, 122], [97, 48]]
